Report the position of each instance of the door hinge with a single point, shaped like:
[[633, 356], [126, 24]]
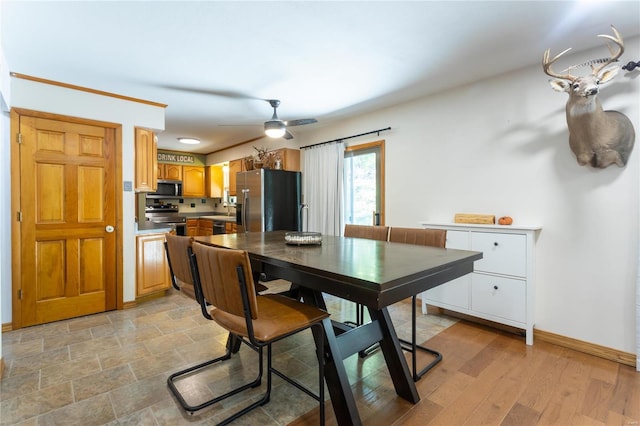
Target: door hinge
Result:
[[19, 216], [19, 138], [19, 294]]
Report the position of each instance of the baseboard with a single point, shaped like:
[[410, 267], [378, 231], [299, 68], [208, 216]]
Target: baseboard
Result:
[[546, 336], [1, 368], [621, 357], [129, 305], [6, 327]]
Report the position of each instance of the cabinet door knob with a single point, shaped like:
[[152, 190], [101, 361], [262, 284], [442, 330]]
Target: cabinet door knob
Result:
[[495, 287], [495, 244]]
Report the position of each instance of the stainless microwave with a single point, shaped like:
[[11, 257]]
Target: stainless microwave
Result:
[[167, 189]]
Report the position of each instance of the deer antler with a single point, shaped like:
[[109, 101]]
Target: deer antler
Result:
[[546, 65], [614, 56]]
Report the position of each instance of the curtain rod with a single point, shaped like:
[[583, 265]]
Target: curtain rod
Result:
[[348, 137]]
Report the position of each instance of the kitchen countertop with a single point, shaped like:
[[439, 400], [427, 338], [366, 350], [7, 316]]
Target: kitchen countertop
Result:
[[153, 228]]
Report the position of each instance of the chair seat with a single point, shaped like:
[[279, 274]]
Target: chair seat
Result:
[[279, 316]]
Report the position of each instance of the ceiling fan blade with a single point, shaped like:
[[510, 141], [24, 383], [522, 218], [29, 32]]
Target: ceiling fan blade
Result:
[[287, 135], [301, 122]]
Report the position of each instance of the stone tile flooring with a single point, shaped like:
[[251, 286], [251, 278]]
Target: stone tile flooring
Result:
[[111, 368]]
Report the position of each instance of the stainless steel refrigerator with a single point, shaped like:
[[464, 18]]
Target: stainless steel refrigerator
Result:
[[268, 200]]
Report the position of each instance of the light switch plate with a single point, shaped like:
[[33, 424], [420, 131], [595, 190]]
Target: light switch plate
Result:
[[128, 186]]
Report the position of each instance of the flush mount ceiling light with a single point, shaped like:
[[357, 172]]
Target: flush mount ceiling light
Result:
[[189, 141], [275, 128]]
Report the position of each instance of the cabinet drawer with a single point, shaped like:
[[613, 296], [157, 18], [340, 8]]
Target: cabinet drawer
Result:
[[501, 253], [454, 293], [499, 296], [457, 240]]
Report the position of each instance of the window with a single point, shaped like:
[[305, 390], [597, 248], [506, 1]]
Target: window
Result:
[[364, 184]]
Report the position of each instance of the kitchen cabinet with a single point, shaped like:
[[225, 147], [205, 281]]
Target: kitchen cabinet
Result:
[[193, 182], [199, 227], [289, 158], [214, 181], [168, 171], [205, 227], [192, 227], [235, 166], [502, 286], [231, 228], [152, 268], [146, 160]]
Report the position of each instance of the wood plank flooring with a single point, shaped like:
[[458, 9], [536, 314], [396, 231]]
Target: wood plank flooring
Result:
[[489, 377]]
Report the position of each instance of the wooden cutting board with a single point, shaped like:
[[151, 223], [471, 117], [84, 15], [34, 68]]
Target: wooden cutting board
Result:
[[474, 218]]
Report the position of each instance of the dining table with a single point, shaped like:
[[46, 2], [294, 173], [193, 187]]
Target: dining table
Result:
[[373, 273]]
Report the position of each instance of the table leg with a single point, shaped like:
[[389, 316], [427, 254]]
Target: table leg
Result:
[[394, 357], [342, 400]]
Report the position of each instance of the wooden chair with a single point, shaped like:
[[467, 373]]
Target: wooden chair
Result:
[[223, 278], [370, 232], [425, 237]]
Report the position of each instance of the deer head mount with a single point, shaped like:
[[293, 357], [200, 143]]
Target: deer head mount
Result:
[[596, 137]]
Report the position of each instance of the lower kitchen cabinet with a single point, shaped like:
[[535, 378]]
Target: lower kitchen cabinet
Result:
[[152, 268], [202, 227], [502, 287]]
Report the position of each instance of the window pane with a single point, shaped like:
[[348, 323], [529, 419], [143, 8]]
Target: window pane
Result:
[[362, 189]]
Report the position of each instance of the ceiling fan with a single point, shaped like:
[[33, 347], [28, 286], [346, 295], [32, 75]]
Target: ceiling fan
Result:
[[276, 128]]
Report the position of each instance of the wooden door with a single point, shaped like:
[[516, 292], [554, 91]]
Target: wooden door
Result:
[[68, 244]]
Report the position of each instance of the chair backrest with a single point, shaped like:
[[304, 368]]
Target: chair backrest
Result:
[[370, 232], [419, 236], [176, 247], [218, 277]]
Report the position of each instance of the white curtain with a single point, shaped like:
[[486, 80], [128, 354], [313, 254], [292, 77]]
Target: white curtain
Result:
[[322, 188]]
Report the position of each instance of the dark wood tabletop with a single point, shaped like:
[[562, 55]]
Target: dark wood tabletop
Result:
[[373, 273]]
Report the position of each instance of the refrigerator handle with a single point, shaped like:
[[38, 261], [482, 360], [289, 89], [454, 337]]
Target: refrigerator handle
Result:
[[245, 208]]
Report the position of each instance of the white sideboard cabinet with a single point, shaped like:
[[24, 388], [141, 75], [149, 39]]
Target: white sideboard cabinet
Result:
[[502, 286]]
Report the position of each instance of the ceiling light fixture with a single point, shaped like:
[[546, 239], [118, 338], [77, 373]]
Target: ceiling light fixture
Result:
[[274, 128], [189, 141]]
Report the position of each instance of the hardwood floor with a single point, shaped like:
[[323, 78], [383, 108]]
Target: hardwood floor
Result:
[[489, 377], [111, 369]]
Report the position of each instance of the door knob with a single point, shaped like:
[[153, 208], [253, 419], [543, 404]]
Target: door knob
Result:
[[109, 228]]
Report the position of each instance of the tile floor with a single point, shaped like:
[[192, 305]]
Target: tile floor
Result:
[[111, 368]]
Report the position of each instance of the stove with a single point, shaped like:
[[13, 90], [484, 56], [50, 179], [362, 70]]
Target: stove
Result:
[[166, 214]]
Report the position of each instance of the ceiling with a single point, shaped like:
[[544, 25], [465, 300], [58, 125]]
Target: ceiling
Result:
[[214, 62]]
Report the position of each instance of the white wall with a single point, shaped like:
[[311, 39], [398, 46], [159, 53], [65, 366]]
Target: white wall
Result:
[[58, 100], [5, 190], [500, 146]]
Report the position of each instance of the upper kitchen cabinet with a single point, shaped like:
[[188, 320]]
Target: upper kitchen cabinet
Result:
[[235, 166], [193, 182], [169, 171], [146, 160], [289, 159], [214, 181]]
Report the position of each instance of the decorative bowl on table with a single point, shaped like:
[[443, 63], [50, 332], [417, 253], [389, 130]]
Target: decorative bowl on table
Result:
[[303, 238]]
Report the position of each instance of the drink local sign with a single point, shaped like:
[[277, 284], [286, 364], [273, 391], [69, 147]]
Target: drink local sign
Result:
[[175, 157]]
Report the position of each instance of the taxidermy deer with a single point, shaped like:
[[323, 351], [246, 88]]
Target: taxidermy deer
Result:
[[597, 137]]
